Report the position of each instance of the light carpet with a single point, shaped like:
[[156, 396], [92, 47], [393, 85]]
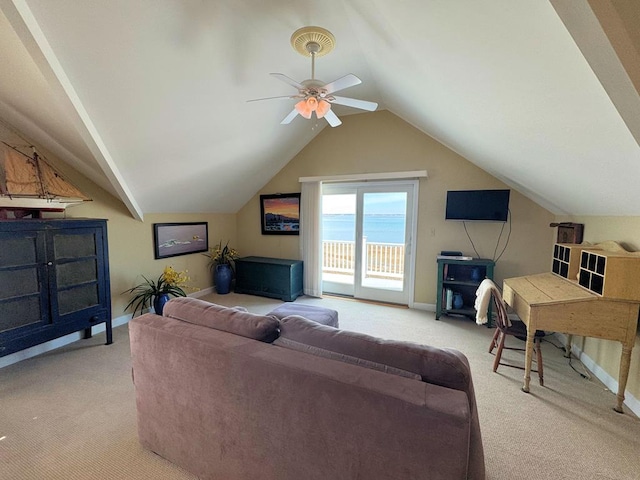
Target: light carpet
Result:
[[70, 414]]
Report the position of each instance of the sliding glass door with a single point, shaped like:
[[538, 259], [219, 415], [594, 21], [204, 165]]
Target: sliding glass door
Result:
[[367, 240]]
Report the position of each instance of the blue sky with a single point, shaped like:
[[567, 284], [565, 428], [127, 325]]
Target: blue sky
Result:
[[375, 203]]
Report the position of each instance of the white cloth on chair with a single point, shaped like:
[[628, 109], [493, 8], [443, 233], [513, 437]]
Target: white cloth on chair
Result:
[[483, 297]]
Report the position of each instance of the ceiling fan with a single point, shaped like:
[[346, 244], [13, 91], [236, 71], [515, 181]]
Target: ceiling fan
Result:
[[314, 95]]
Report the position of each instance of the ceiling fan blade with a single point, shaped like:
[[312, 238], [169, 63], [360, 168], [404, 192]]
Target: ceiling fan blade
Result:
[[288, 80], [288, 97], [355, 103], [347, 81], [289, 118], [332, 118]]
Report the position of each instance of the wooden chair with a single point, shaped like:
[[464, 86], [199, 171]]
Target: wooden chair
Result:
[[515, 328]]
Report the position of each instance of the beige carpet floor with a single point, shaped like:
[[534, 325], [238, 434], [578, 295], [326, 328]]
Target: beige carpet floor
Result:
[[70, 413]]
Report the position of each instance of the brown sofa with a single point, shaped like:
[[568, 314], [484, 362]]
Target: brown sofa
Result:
[[216, 395]]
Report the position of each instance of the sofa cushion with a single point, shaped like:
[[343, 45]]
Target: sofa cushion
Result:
[[234, 320], [323, 315], [321, 352], [440, 366]]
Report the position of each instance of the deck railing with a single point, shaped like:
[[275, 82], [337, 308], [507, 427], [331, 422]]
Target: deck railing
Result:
[[383, 260]]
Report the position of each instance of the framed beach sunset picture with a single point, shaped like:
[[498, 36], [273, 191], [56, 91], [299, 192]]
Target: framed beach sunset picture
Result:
[[280, 214]]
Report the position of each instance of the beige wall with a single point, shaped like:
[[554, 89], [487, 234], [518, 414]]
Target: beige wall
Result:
[[131, 251], [382, 142], [606, 353], [366, 143]]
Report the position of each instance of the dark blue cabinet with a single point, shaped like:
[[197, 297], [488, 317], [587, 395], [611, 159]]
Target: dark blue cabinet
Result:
[[269, 277], [54, 280]]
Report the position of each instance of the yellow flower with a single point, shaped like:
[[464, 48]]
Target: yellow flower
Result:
[[222, 255], [173, 278]]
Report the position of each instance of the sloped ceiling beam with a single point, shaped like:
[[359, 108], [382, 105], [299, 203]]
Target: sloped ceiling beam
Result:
[[24, 23], [602, 37]]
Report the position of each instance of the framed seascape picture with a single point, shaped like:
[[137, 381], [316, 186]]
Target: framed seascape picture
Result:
[[172, 239], [280, 214]]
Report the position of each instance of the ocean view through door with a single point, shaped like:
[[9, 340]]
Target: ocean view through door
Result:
[[366, 238]]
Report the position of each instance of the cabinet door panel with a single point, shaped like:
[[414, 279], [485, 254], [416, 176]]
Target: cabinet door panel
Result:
[[23, 301], [77, 298], [78, 263], [20, 312], [74, 273], [74, 245], [17, 251], [19, 283]]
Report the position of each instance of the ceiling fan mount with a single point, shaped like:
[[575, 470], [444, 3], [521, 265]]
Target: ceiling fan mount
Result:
[[314, 95], [310, 41]]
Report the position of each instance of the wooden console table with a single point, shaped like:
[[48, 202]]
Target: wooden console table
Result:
[[552, 303]]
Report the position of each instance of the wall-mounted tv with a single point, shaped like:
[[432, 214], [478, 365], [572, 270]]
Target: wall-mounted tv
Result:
[[485, 205]]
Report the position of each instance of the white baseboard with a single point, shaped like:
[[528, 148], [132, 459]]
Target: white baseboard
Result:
[[611, 383], [203, 292]]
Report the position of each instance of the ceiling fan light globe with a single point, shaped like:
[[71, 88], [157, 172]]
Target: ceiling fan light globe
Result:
[[323, 108], [312, 102], [304, 109]]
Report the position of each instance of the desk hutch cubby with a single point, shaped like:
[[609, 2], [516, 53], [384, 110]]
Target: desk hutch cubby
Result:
[[55, 280], [566, 259], [462, 277], [611, 274]]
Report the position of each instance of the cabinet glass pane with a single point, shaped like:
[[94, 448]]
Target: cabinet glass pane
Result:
[[74, 273], [77, 298], [73, 246], [19, 312], [18, 282], [557, 249], [17, 251]]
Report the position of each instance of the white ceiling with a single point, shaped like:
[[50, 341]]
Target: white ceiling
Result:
[[149, 96]]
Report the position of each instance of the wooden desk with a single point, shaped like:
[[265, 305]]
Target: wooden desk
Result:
[[551, 303]]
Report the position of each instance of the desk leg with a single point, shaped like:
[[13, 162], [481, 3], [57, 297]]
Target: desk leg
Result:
[[567, 347], [527, 359], [625, 360]]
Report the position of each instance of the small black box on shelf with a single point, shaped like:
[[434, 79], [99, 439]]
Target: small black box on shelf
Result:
[[450, 253]]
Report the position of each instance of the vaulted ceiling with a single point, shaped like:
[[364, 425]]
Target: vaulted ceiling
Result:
[[543, 94]]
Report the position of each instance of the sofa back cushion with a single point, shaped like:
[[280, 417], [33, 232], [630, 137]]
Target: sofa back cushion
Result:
[[439, 366], [234, 320], [341, 357]]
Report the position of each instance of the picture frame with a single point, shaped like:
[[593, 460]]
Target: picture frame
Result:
[[280, 214], [174, 239]]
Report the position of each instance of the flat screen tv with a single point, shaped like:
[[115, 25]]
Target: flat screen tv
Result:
[[483, 205]]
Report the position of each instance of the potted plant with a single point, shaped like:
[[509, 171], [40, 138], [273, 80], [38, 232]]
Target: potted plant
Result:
[[170, 282], [222, 263]]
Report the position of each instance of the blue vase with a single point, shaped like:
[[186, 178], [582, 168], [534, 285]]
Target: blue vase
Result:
[[222, 278], [475, 274], [159, 301], [458, 303]]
